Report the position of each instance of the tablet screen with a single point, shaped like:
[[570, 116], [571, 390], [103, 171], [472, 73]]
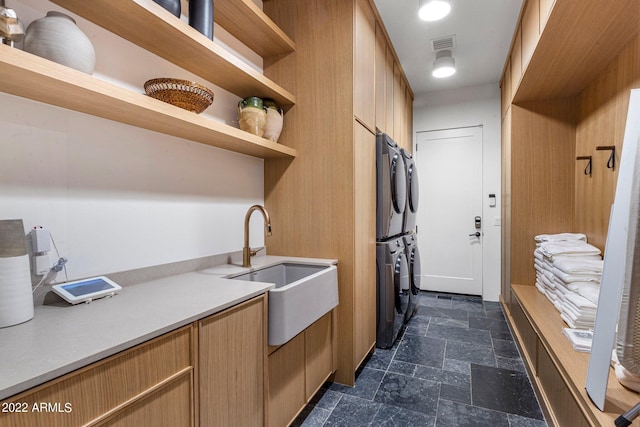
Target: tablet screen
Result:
[[87, 287]]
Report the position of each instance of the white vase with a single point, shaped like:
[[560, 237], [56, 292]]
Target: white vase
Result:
[[16, 299], [58, 38], [275, 121]]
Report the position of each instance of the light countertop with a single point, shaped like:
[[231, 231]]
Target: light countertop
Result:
[[62, 338]]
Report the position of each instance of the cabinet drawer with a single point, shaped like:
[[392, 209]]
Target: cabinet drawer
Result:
[[529, 339], [89, 393]]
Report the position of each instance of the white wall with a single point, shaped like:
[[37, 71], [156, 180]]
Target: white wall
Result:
[[472, 106], [116, 197]]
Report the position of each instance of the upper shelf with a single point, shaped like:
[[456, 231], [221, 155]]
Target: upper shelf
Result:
[[30, 76], [248, 23], [576, 44], [149, 26]]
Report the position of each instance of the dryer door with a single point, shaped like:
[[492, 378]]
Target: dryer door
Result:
[[401, 283], [398, 183], [414, 269]]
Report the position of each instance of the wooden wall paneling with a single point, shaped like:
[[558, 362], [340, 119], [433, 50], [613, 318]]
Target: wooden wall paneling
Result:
[[390, 86], [380, 78], [312, 197], [365, 64], [516, 61], [286, 382], [232, 376], [530, 30], [365, 237], [596, 127], [542, 192]]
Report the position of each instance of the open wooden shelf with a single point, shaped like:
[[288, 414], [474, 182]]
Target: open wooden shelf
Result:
[[544, 320], [30, 76], [577, 42], [248, 23], [151, 27]]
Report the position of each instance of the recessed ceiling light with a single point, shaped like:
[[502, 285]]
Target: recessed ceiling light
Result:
[[444, 65], [433, 10]]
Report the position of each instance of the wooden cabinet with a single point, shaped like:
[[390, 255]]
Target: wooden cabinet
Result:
[[298, 368], [516, 60], [530, 30], [232, 349], [150, 384], [364, 105], [151, 27], [381, 79], [333, 182], [390, 86]]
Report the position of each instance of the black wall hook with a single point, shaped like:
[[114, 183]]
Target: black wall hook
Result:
[[611, 163], [587, 169]]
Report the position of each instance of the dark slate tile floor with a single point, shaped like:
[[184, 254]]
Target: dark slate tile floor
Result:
[[455, 365]]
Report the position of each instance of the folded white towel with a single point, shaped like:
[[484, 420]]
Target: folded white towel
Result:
[[577, 277], [581, 302], [590, 293], [560, 237], [551, 249], [579, 265]]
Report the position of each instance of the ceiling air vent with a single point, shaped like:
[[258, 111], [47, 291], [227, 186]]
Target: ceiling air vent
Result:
[[448, 42]]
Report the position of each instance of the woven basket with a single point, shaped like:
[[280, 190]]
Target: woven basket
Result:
[[181, 93]]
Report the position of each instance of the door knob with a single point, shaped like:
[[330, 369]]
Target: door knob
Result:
[[476, 234]]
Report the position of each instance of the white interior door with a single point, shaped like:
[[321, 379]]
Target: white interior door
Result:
[[450, 166]]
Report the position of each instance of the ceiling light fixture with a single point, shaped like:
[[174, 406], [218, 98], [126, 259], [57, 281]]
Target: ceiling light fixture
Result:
[[444, 64], [433, 10]]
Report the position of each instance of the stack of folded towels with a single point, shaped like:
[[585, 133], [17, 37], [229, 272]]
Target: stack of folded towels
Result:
[[568, 273]]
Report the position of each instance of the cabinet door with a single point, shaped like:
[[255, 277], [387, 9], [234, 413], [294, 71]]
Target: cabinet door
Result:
[[389, 87], [380, 89], [232, 350], [318, 354], [365, 242], [364, 73], [398, 105], [530, 30], [516, 62], [286, 381], [408, 119]]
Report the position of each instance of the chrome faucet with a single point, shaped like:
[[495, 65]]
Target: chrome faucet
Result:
[[247, 252]]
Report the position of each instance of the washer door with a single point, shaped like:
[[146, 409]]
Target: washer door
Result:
[[401, 283], [398, 183], [413, 188]]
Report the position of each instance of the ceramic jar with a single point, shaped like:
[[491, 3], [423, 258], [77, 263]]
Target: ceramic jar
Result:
[[252, 115], [201, 16], [274, 121], [172, 6], [58, 38]]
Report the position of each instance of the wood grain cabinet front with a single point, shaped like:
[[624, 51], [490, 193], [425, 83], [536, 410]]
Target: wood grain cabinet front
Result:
[[232, 348], [150, 384]]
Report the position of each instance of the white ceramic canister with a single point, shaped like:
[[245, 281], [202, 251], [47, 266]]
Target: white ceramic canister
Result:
[[275, 119], [16, 299], [252, 116], [58, 38]]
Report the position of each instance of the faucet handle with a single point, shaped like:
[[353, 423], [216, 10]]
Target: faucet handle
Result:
[[255, 251]]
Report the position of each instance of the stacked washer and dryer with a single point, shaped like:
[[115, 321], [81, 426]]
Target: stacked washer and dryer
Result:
[[397, 254]]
